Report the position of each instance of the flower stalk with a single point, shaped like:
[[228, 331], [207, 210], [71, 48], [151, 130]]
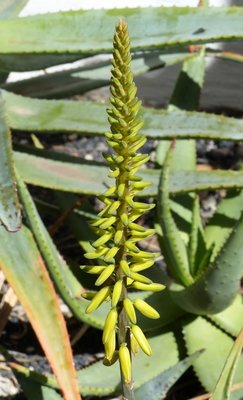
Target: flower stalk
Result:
[[120, 261]]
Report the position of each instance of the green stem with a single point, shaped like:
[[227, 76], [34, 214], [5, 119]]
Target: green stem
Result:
[[123, 334]]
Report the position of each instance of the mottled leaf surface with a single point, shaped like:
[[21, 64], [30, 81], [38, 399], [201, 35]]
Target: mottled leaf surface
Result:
[[107, 379], [9, 206], [84, 117], [230, 320], [89, 178], [99, 380], [92, 31], [157, 388], [201, 334]]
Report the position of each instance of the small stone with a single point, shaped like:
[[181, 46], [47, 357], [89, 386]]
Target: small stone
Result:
[[88, 157], [8, 386], [30, 349]]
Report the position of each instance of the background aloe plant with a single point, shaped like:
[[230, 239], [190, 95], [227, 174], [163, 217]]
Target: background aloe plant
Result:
[[173, 30]]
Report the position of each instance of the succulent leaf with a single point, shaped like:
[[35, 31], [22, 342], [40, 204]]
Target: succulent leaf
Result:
[[217, 287], [223, 221], [173, 247], [230, 319], [84, 117], [53, 171], [107, 383], [10, 216], [67, 284], [223, 386], [214, 356]]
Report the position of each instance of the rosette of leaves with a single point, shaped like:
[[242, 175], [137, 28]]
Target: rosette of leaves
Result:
[[203, 262], [205, 268], [120, 261]]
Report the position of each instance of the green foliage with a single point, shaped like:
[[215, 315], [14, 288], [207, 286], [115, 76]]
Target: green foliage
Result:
[[211, 254], [107, 381], [223, 386], [22, 265], [203, 263], [9, 205], [79, 31], [11, 8], [85, 117], [72, 174]]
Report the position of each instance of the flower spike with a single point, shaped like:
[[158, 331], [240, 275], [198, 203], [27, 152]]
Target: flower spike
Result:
[[117, 246]]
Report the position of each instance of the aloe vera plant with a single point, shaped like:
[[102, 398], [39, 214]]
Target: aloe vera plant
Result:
[[206, 270], [205, 267], [183, 235]]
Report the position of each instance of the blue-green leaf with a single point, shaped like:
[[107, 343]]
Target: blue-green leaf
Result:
[[10, 215]]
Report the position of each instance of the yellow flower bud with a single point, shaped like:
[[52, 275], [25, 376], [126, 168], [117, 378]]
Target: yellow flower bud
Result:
[[102, 240], [141, 339], [141, 266], [98, 222], [145, 234], [140, 185], [128, 305], [141, 162], [153, 287], [129, 281], [146, 309], [110, 324], [108, 222], [112, 361], [121, 190], [136, 227], [92, 269], [116, 294], [98, 299], [140, 157], [110, 346], [144, 254], [137, 144], [114, 206], [134, 215], [139, 278], [96, 254], [125, 267], [118, 237], [131, 246], [114, 174], [111, 253], [125, 363], [134, 345], [88, 295], [105, 275], [124, 219]]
